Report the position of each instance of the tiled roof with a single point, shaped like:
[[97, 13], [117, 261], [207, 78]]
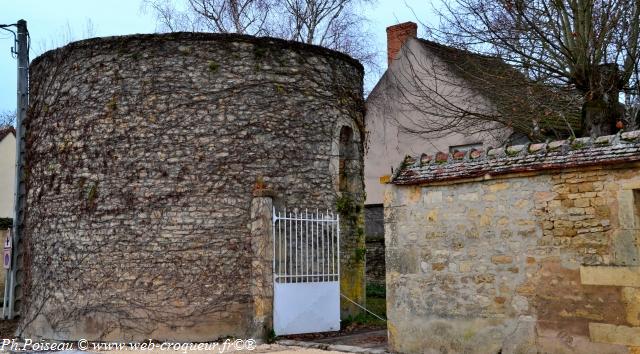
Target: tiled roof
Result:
[[511, 92], [4, 131], [604, 150]]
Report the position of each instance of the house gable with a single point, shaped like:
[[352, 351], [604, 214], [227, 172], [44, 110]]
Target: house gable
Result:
[[393, 117]]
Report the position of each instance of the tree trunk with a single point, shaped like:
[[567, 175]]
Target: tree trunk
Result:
[[601, 109], [599, 118]]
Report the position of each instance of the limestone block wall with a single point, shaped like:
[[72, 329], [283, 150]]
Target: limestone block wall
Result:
[[142, 155], [516, 262]]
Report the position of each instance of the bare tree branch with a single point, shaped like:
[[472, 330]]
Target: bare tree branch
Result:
[[335, 24], [7, 118], [589, 46]]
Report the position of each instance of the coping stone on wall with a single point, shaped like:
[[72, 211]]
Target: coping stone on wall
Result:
[[561, 154]]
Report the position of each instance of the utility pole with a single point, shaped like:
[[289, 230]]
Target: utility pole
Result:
[[13, 288]]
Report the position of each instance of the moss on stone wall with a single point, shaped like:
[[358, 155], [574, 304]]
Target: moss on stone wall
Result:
[[352, 280]]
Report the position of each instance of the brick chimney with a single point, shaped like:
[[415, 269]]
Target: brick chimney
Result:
[[396, 36]]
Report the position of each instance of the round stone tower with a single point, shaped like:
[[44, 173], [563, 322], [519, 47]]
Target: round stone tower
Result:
[[142, 155]]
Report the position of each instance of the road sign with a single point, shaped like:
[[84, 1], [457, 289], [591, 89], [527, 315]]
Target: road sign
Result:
[[7, 241]]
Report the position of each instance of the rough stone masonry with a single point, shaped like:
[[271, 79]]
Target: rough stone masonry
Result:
[[143, 153], [523, 249]]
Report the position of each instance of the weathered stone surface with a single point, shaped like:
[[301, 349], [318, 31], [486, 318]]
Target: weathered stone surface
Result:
[[610, 275], [583, 152], [261, 280], [501, 259], [375, 261], [374, 231], [525, 263], [606, 333], [142, 155], [631, 298]]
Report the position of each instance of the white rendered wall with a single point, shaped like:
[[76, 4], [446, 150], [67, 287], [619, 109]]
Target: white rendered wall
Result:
[[387, 145], [7, 175]]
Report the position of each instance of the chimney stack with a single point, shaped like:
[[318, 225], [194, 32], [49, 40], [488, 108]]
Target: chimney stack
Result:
[[397, 35]]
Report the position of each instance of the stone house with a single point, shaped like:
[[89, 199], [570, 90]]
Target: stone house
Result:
[[423, 78], [153, 163], [524, 249]]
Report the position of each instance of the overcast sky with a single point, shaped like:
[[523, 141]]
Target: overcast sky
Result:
[[54, 23]]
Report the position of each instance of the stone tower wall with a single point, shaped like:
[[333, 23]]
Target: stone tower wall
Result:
[[142, 155]]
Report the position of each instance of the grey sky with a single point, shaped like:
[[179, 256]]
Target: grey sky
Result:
[[54, 23]]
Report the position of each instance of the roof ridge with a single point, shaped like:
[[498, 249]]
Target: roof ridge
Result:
[[4, 131], [465, 51]]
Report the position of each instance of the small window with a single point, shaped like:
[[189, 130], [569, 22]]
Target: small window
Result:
[[465, 148]]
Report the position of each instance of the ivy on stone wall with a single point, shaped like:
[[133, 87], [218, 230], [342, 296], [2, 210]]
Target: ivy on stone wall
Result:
[[142, 154]]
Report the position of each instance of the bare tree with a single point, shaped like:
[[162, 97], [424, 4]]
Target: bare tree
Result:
[[65, 34], [335, 24], [223, 16], [442, 90], [7, 118], [237, 16], [169, 18], [632, 105], [590, 46]]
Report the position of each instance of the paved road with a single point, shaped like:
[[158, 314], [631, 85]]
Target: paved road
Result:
[[263, 348]]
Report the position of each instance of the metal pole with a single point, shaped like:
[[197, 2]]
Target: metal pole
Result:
[[21, 111]]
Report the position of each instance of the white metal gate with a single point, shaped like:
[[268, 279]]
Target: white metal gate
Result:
[[306, 272]]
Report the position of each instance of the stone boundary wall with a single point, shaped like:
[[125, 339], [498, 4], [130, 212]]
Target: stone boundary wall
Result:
[[142, 156], [536, 250], [374, 231], [375, 266]]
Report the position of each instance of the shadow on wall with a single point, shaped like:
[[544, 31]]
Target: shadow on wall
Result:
[[374, 231]]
